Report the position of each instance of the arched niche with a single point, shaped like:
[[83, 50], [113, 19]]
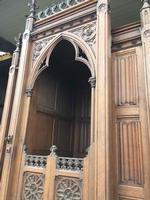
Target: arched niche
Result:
[[60, 107]]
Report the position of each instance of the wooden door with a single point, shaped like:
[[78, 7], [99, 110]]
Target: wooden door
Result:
[[130, 123]]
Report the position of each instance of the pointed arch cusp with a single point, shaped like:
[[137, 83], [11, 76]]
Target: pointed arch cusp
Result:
[[46, 53]]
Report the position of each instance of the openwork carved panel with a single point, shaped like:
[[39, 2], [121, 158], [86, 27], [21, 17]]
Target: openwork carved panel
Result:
[[36, 161], [33, 186], [126, 79], [73, 164], [68, 189], [87, 33], [130, 154]]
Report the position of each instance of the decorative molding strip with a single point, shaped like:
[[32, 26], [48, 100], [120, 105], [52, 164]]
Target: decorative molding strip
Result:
[[56, 8], [36, 161], [73, 164]]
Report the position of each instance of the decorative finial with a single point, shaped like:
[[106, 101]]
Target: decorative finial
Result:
[[32, 4], [145, 4], [53, 150], [18, 42]]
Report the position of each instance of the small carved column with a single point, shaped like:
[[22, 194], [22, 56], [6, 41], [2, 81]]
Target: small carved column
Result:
[[103, 103], [145, 35], [8, 187]]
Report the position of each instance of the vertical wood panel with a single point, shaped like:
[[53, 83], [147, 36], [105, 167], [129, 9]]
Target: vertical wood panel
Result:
[[126, 79], [130, 152]]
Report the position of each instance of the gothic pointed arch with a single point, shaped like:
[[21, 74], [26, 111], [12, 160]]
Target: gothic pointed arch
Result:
[[41, 63]]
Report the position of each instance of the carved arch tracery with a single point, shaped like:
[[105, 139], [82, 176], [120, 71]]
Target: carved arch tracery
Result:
[[41, 63]]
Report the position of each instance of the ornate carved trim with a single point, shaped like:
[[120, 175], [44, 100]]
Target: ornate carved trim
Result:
[[56, 8]]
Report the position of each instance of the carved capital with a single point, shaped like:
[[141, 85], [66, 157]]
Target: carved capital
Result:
[[29, 92], [92, 81]]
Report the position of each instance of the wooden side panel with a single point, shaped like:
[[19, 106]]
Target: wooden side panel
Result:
[[128, 132], [130, 152]]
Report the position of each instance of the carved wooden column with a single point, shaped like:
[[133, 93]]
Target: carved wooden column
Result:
[[145, 35], [9, 96], [103, 103], [10, 153]]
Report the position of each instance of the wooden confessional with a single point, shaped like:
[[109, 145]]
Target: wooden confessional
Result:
[[79, 124]]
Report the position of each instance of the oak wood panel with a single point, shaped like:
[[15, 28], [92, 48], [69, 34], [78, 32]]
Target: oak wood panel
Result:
[[129, 142]]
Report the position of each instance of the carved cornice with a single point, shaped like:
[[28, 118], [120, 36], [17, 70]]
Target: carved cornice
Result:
[[58, 7]]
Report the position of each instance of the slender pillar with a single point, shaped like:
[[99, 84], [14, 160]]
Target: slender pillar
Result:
[[145, 36], [13, 133], [9, 96], [103, 103]]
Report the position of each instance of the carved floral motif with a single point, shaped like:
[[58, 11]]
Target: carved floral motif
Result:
[[39, 45], [87, 33], [33, 186], [68, 189]]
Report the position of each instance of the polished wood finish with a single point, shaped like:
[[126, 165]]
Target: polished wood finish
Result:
[[90, 100]]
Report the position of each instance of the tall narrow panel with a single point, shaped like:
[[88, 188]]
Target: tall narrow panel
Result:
[[126, 81], [130, 152]]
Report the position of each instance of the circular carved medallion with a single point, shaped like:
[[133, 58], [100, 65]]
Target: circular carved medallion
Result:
[[68, 189]]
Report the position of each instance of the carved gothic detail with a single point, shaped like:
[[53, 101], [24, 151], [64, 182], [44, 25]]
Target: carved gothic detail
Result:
[[68, 188], [87, 33], [33, 186], [73, 164], [56, 8], [32, 4], [36, 161], [39, 45], [92, 81]]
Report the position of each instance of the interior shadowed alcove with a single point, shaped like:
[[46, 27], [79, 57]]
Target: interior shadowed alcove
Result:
[[60, 105]]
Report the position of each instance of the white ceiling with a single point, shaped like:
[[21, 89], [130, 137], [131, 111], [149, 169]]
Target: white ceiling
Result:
[[12, 14]]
